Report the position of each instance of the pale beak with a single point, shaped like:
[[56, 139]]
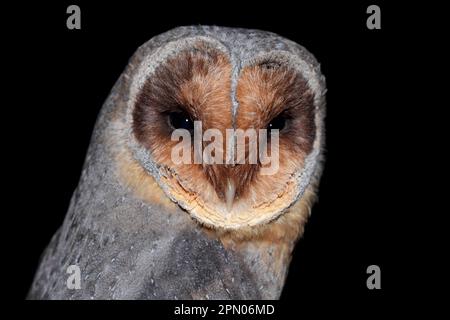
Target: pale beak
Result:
[[230, 192]]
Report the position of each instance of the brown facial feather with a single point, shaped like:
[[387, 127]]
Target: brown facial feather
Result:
[[264, 92], [197, 82]]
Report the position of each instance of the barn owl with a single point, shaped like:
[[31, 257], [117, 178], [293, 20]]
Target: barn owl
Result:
[[142, 226]]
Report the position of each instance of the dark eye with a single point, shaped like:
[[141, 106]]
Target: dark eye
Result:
[[278, 122], [181, 120]]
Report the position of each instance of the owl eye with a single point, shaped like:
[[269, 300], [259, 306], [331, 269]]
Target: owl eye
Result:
[[278, 122], [181, 120]]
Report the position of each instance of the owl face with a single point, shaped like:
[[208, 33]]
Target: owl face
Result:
[[201, 82]]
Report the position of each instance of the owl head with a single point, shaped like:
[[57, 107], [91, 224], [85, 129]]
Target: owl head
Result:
[[244, 109]]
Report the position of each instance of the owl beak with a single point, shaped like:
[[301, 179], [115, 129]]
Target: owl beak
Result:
[[230, 192]]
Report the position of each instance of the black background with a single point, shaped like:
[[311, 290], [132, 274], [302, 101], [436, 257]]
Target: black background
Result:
[[358, 219]]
